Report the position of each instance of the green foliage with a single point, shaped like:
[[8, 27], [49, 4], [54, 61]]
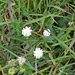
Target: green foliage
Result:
[[59, 47]]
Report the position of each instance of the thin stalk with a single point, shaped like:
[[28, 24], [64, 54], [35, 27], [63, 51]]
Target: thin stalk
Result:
[[36, 66]]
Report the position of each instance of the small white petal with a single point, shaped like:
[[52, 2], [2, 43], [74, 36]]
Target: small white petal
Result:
[[26, 31], [38, 53], [21, 60], [46, 33]]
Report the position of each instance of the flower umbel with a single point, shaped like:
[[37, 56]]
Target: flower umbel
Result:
[[21, 60], [26, 31], [46, 33], [38, 53]]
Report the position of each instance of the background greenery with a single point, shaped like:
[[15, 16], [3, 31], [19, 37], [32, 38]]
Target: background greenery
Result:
[[59, 48]]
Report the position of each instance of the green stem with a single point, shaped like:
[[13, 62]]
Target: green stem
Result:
[[36, 66]]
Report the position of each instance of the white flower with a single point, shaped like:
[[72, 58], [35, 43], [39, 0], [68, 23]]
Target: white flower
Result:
[[26, 31], [21, 60], [38, 53], [46, 32], [70, 23]]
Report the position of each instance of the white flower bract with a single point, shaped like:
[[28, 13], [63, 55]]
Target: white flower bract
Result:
[[46, 33], [21, 60], [38, 53], [26, 31]]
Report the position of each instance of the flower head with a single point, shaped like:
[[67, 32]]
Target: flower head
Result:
[[26, 31], [38, 53], [46, 33], [70, 23], [21, 60]]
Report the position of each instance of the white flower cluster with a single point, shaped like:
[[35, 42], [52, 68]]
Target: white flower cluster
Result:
[[21, 60], [70, 23], [46, 33], [38, 53], [26, 31]]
